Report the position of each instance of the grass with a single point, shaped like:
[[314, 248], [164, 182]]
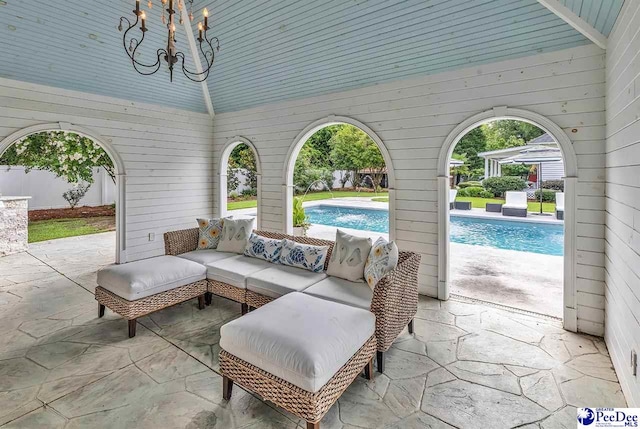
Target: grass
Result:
[[60, 228], [479, 203], [312, 196], [381, 200]]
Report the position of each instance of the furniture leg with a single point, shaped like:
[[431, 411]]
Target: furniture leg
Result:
[[311, 425], [368, 370], [100, 310], [227, 387], [245, 309], [208, 296], [201, 302], [132, 328], [380, 359], [410, 326]]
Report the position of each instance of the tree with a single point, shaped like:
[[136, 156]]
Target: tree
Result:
[[506, 133], [242, 157], [353, 150], [65, 154], [468, 147]]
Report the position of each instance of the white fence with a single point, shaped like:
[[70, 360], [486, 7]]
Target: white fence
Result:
[[45, 189]]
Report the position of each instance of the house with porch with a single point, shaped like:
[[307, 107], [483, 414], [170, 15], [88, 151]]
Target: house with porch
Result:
[[169, 87], [549, 170]]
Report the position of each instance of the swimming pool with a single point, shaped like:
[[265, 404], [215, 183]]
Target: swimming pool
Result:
[[502, 234]]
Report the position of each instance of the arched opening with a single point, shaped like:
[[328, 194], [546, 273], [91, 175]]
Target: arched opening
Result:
[[493, 167], [81, 161], [239, 180], [339, 174]]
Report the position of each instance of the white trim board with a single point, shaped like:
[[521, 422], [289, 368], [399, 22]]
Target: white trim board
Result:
[[575, 21]]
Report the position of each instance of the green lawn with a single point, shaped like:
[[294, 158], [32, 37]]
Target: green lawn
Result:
[[313, 196], [479, 203], [59, 228], [381, 200]]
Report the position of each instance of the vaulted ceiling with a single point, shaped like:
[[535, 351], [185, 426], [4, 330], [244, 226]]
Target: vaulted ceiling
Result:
[[274, 50]]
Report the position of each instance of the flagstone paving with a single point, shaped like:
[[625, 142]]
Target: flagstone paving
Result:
[[467, 365]]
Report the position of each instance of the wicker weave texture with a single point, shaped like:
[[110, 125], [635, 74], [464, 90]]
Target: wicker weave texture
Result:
[[306, 405], [143, 306], [256, 300], [182, 241], [227, 291], [395, 299]]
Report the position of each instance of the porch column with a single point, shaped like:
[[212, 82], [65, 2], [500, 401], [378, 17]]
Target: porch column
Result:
[[486, 168], [499, 172]]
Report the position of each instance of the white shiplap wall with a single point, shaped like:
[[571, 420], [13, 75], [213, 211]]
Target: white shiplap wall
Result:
[[413, 118], [167, 153], [622, 233]]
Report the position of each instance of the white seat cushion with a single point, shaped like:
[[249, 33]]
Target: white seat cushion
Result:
[[235, 270], [355, 294], [299, 338], [206, 256], [147, 277], [281, 280]]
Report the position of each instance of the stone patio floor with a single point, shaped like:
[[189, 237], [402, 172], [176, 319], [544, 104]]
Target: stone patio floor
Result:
[[467, 365]]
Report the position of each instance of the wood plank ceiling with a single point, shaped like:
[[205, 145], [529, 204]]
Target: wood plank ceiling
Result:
[[274, 50]]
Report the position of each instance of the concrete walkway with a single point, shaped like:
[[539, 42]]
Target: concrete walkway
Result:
[[466, 366]]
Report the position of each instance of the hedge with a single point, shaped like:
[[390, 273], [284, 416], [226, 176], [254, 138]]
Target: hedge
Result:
[[499, 185], [557, 185], [475, 191], [469, 184], [548, 196]]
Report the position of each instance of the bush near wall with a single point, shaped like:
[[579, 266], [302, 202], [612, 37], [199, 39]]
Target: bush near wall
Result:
[[548, 196], [469, 184], [475, 191], [557, 185], [499, 185]]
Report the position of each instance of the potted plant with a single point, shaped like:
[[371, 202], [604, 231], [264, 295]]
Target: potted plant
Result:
[[300, 221]]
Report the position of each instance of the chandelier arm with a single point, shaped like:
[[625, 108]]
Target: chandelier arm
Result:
[[124, 36], [155, 66], [197, 77]]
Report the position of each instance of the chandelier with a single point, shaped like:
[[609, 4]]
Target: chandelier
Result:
[[169, 54]]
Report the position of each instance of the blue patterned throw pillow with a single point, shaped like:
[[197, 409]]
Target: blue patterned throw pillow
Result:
[[305, 256], [265, 248], [382, 259]]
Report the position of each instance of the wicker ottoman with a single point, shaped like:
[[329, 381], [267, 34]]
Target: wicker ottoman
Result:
[[138, 288], [299, 352]]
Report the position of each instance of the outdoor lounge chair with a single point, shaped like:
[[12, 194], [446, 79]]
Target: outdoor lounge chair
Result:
[[452, 197], [515, 204], [560, 206]]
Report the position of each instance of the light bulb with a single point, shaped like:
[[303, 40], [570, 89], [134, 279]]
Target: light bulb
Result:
[[150, 4], [143, 15], [200, 26], [205, 12]]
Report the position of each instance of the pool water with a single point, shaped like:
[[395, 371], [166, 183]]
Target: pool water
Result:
[[502, 234]]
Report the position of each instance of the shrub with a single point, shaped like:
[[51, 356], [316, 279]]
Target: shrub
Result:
[[299, 216], [74, 195], [469, 184], [548, 196], [499, 185], [303, 179], [249, 192], [475, 191], [557, 185]]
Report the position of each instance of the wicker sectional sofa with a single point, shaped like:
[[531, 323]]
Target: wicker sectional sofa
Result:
[[393, 301]]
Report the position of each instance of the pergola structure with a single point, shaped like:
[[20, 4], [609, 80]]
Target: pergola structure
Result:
[[416, 76]]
